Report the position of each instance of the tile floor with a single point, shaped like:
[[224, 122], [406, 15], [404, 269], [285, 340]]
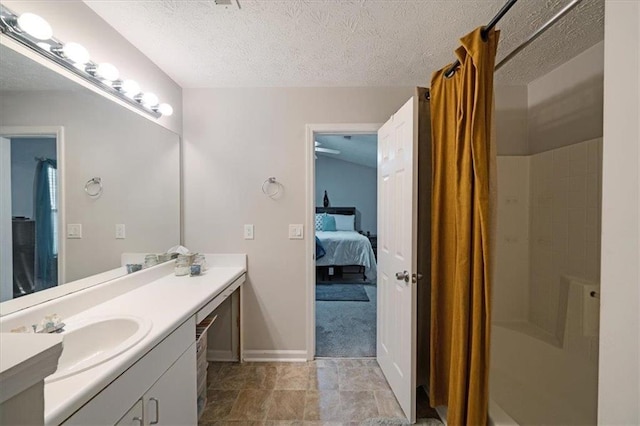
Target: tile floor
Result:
[[326, 391]]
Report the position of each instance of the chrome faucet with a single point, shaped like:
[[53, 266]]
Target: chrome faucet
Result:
[[50, 324], [57, 328]]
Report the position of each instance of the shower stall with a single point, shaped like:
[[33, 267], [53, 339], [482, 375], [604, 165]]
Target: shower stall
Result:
[[544, 360]]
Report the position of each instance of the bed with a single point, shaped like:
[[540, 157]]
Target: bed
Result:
[[346, 247]]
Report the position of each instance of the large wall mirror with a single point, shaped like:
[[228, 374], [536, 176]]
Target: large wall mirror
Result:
[[84, 181]]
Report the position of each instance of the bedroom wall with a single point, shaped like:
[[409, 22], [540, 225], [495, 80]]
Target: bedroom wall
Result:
[[566, 105], [349, 185]]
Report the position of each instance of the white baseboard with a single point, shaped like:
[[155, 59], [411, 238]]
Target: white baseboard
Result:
[[218, 355], [266, 356]]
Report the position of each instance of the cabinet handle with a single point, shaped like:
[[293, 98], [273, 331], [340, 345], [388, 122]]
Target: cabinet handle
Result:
[[155, 422], [139, 420]]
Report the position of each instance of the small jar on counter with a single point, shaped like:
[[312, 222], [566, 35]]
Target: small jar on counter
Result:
[[150, 260], [201, 260], [183, 266]]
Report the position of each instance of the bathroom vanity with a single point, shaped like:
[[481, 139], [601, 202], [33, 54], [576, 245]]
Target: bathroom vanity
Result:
[[129, 345]]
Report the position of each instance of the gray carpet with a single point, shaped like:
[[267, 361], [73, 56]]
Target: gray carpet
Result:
[[347, 329], [341, 292]]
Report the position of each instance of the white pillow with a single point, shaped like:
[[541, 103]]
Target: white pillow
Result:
[[344, 222]]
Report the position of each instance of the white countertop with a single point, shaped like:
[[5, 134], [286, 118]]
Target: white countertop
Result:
[[26, 359], [166, 302]]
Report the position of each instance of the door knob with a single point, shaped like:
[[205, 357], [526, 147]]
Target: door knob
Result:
[[403, 276]]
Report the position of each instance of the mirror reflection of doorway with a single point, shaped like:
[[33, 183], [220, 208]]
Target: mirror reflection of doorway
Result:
[[32, 214]]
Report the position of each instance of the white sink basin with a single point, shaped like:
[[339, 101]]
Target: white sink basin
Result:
[[92, 341]]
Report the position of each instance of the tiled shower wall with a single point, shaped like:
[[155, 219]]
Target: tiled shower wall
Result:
[[511, 283], [564, 224], [548, 227]]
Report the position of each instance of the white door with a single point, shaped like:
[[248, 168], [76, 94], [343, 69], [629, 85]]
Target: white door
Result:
[[6, 241], [397, 212]]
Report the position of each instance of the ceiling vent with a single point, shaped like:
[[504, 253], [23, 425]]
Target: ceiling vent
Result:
[[228, 4]]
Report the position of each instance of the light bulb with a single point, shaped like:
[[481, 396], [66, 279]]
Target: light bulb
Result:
[[149, 99], [35, 26], [165, 109], [107, 71], [76, 53], [44, 46], [130, 88]]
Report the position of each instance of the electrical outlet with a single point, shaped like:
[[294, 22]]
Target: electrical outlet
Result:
[[296, 232], [74, 230], [248, 232], [120, 231]]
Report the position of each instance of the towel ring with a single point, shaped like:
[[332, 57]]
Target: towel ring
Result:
[[89, 187], [267, 183]]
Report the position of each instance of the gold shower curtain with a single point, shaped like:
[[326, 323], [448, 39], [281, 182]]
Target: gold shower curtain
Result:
[[461, 114]]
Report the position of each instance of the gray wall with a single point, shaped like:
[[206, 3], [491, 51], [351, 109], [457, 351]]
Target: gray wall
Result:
[[23, 171], [566, 105], [510, 120], [349, 185], [234, 139], [138, 161], [619, 374]]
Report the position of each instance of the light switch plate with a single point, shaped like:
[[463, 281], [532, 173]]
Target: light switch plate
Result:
[[120, 231], [296, 232], [74, 230], [248, 232]]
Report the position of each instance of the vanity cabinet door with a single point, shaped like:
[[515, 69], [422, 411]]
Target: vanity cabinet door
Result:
[[172, 400], [133, 416]]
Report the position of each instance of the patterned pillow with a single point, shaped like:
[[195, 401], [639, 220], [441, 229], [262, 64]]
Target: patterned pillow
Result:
[[319, 221]]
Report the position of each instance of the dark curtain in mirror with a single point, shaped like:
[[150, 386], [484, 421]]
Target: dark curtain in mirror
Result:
[[46, 213]]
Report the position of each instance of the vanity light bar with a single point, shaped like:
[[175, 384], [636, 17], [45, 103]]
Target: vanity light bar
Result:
[[34, 32]]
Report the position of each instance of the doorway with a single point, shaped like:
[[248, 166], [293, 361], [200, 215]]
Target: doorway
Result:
[[398, 270], [342, 161], [345, 221], [31, 210]]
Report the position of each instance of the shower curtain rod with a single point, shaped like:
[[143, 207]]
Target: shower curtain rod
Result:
[[568, 8], [503, 11]]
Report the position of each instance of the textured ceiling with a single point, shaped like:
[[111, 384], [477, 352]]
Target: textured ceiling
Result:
[[360, 149], [340, 42], [17, 72]]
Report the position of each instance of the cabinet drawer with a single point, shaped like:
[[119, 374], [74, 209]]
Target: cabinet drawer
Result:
[[211, 306]]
